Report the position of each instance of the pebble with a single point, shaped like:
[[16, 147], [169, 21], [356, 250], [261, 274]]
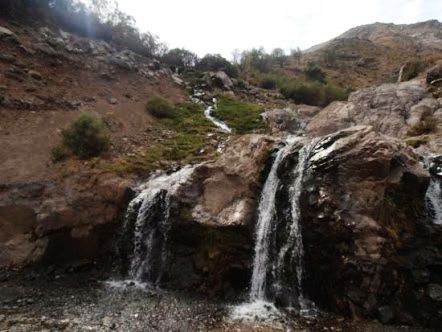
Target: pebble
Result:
[[113, 101]]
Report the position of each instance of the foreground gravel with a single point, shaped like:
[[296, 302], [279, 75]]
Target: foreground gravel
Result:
[[83, 302]]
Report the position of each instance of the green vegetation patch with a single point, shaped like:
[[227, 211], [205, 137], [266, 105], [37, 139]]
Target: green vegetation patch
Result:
[[86, 137], [160, 108], [241, 116], [189, 127]]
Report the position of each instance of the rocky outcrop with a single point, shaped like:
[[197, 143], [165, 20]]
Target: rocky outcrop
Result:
[[434, 75], [60, 222], [219, 80], [391, 109], [211, 239], [370, 250], [224, 192], [290, 120]]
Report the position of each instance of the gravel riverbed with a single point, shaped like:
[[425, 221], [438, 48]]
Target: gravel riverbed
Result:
[[84, 302]]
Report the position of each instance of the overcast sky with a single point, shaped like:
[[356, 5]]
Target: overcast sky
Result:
[[220, 26]]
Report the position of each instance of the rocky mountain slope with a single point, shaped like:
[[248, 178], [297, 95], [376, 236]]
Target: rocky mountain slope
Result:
[[374, 54]]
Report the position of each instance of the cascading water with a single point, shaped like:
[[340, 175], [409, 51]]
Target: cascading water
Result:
[[197, 98], [208, 113], [434, 200], [273, 261], [433, 196], [146, 228], [401, 73]]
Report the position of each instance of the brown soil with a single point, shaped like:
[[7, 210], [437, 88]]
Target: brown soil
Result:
[[27, 134]]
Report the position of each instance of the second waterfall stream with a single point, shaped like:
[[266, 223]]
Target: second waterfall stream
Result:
[[271, 258]]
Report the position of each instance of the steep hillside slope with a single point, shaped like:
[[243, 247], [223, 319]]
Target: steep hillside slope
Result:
[[374, 54], [48, 77]]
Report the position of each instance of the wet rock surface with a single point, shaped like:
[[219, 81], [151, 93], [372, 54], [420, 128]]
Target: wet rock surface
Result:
[[370, 249]]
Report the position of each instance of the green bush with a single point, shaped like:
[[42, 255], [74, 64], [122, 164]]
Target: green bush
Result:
[[86, 137], [268, 83], [58, 153], [413, 69], [312, 93], [160, 108], [314, 72]]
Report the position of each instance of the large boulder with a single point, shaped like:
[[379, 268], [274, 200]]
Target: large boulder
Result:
[[60, 222], [390, 108], [370, 250], [224, 192], [211, 239], [289, 120], [219, 80]]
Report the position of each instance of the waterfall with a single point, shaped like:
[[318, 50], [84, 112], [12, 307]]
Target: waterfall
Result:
[[434, 200], [197, 97], [270, 261], [292, 252], [401, 72], [433, 196], [220, 124], [147, 224], [266, 212]]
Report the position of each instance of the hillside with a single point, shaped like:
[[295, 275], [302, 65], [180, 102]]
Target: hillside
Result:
[[49, 77], [374, 54]]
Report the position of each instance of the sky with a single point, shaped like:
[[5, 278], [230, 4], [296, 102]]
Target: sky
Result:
[[221, 26]]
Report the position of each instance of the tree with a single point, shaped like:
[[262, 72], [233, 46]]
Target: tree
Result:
[[278, 56], [215, 62], [296, 54], [179, 58], [256, 59]]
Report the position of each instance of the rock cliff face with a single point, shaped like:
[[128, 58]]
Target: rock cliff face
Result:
[[370, 249], [392, 109], [213, 220], [60, 222]]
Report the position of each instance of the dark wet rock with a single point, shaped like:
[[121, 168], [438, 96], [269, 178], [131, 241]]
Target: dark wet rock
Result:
[[368, 242]]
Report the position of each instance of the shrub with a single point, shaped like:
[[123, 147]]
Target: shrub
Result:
[[180, 58], [215, 62], [314, 72], [268, 83], [160, 108], [303, 92], [87, 136], [412, 69], [58, 153], [312, 93]]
